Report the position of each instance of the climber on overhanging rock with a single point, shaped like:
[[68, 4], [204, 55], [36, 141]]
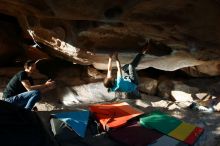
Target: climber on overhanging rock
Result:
[[128, 82]]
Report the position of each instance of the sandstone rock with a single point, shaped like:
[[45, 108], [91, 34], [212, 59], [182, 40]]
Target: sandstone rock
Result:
[[148, 85], [164, 89], [95, 73], [79, 31], [34, 53], [188, 90], [181, 96], [209, 68], [88, 93], [10, 41], [201, 96]]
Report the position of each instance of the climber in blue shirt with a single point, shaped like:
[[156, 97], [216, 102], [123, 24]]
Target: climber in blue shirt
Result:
[[127, 79]]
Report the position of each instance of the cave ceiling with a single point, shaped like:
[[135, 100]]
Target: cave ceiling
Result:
[[183, 33]]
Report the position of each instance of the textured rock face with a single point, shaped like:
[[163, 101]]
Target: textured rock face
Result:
[[9, 40], [84, 32]]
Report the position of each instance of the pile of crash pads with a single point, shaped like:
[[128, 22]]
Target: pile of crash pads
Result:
[[122, 124]]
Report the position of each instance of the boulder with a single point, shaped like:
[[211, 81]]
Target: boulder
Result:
[[148, 85], [189, 89]]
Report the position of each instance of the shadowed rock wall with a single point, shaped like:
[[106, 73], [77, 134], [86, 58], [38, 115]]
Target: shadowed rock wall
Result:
[[84, 32]]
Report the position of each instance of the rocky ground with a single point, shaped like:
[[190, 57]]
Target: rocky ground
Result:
[[75, 92]]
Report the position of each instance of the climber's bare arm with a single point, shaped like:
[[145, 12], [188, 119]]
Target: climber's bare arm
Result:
[[109, 73]]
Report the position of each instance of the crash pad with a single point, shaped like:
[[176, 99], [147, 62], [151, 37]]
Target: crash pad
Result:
[[77, 121], [160, 121], [133, 134], [114, 115], [182, 131], [172, 127], [167, 141]]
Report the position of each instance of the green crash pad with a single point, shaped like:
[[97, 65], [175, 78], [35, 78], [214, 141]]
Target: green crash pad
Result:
[[160, 121]]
